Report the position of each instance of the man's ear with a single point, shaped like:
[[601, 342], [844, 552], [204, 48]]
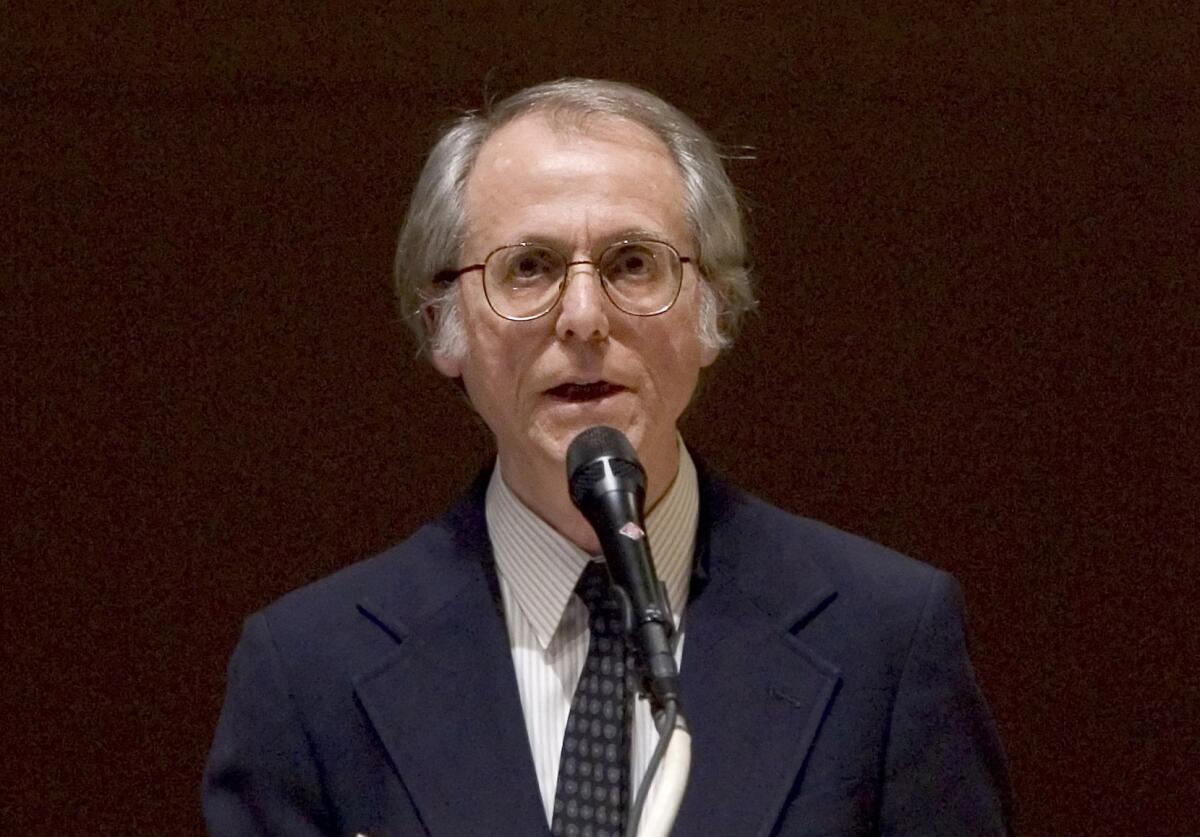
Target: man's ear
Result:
[[443, 362], [706, 305], [449, 366]]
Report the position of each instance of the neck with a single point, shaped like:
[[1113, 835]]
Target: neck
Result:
[[542, 486]]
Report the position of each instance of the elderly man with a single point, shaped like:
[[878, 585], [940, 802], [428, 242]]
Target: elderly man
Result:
[[574, 258]]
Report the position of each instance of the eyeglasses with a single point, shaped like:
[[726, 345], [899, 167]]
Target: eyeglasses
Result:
[[525, 281]]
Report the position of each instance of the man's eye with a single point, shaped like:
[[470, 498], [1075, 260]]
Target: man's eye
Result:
[[532, 264], [632, 263]]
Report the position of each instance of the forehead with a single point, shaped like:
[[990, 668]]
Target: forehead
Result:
[[578, 179]]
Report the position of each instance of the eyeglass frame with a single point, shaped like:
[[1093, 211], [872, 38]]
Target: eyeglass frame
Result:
[[446, 277]]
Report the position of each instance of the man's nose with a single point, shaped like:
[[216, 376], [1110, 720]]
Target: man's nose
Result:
[[584, 314]]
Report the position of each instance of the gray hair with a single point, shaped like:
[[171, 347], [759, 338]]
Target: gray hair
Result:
[[435, 228]]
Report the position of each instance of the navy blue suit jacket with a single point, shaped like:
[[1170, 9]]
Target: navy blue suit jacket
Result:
[[825, 680]]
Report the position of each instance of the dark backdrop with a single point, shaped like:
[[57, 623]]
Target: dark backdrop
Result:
[[976, 239]]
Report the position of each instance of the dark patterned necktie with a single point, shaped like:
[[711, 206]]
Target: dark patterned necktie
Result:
[[592, 794]]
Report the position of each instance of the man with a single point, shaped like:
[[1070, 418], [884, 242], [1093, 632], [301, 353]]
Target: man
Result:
[[575, 258]]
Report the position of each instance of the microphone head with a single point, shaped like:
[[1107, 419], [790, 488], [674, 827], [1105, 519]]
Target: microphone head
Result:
[[602, 458]]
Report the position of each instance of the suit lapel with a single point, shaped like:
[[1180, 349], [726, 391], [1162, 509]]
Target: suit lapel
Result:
[[754, 696], [445, 704]]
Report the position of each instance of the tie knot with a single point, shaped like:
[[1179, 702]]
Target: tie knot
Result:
[[593, 586], [603, 610]]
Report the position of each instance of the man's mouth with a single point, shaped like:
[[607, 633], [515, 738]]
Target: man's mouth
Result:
[[584, 392]]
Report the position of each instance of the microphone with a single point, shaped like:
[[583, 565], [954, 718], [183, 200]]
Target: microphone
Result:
[[608, 484]]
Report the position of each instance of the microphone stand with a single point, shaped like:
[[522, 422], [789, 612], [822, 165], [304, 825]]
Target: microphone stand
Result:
[[661, 790]]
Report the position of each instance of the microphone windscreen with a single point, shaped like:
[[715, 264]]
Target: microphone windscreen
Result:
[[593, 454]]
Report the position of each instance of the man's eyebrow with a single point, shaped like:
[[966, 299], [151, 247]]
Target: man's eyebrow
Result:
[[632, 234]]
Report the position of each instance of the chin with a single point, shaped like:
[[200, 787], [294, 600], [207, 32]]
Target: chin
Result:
[[556, 442]]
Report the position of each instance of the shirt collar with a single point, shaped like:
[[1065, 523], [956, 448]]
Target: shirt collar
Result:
[[541, 567]]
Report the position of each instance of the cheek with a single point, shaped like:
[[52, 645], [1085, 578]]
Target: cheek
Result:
[[674, 362], [499, 357], [689, 352]]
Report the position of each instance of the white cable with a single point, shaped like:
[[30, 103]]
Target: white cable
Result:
[[662, 802]]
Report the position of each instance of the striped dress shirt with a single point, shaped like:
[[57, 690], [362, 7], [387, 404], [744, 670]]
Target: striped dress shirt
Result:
[[548, 624]]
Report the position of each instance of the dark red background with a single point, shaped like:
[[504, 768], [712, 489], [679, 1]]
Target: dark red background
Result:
[[976, 239]]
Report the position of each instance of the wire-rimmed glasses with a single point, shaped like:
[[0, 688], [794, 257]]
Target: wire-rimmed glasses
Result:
[[525, 281]]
